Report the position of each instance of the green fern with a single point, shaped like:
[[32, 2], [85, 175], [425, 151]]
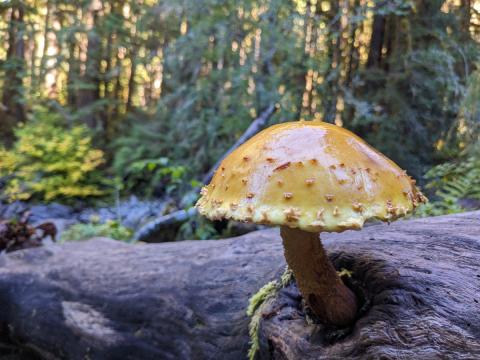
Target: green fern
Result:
[[452, 182]]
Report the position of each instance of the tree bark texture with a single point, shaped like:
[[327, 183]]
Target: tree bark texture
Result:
[[102, 299]]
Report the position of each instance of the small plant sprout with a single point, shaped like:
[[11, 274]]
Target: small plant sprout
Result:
[[331, 180]]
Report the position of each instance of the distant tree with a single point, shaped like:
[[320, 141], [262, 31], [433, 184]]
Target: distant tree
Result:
[[12, 107], [146, 74]]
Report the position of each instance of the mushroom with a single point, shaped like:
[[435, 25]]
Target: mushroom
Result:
[[342, 183]]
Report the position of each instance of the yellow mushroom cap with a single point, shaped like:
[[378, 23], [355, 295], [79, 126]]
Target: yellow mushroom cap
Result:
[[309, 175]]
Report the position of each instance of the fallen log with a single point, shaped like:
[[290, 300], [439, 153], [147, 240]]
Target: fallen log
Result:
[[103, 299], [156, 226], [178, 217]]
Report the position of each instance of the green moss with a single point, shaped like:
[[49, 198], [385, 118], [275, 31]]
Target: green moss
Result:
[[267, 291], [345, 272], [259, 298]]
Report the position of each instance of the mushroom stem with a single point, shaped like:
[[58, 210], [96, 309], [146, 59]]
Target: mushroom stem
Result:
[[321, 287]]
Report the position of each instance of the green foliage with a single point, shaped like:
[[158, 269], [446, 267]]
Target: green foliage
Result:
[[110, 229], [466, 131], [199, 228], [416, 108], [453, 181], [216, 84], [50, 161], [222, 73], [260, 296], [149, 177], [458, 180]]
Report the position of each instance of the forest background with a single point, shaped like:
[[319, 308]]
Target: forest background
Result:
[[102, 99]]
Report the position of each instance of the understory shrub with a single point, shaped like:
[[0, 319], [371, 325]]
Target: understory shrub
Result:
[[453, 182], [456, 183], [51, 161], [110, 229], [149, 177]]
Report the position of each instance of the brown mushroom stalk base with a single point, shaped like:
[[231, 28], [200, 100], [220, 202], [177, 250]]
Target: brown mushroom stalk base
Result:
[[321, 287]]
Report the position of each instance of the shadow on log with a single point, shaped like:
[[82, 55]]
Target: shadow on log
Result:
[[103, 299]]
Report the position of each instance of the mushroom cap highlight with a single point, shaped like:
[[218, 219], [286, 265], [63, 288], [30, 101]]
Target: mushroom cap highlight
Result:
[[310, 175]]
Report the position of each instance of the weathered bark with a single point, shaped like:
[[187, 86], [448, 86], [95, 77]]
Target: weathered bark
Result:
[[104, 299], [108, 300], [420, 281]]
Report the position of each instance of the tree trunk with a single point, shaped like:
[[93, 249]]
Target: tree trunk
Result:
[[335, 59], [73, 72], [131, 79], [42, 69], [352, 50], [12, 110], [90, 92], [376, 41], [302, 78], [109, 94], [466, 19]]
